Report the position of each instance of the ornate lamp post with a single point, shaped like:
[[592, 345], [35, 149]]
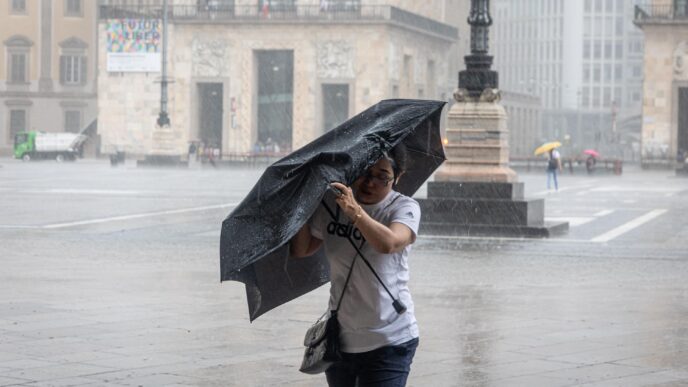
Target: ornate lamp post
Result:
[[163, 117], [478, 76], [475, 192]]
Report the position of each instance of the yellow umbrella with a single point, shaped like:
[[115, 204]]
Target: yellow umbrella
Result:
[[546, 147]]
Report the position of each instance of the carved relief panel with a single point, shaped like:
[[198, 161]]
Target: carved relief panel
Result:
[[335, 59], [210, 58]]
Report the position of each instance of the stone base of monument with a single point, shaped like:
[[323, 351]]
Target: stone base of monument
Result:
[[484, 209]]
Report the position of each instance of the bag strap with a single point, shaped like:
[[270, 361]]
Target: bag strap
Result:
[[348, 276]]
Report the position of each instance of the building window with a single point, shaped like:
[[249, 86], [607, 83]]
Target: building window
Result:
[[72, 69], [596, 73], [73, 8], [18, 67], [586, 49], [618, 97], [619, 26], [607, 72], [619, 6], [17, 121], [598, 50], [637, 71], [618, 72], [607, 50], [407, 66], [18, 6], [636, 96], [18, 48], [607, 100], [72, 122], [430, 79]]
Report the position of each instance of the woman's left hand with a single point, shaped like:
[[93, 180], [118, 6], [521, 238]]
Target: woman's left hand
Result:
[[347, 202]]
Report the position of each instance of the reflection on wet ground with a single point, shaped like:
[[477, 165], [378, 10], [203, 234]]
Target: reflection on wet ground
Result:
[[126, 290]]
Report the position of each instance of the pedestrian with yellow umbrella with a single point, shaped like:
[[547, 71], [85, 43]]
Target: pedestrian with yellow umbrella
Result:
[[553, 162]]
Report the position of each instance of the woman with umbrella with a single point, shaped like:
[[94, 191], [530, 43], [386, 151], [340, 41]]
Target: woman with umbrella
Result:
[[591, 160], [378, 340], [553, 161]]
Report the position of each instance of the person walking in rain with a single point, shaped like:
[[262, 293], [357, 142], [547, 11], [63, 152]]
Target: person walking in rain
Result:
[[378, 344], [553, 168]]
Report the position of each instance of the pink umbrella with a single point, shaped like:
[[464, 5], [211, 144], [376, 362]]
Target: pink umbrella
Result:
[[592, 153]]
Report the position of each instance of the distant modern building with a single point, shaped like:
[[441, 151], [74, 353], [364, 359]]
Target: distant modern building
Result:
[[583, 59], [665, 87], [47, 67], [246, 74], [524, 120]]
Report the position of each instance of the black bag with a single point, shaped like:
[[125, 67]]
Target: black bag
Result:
[[552, 164], [322, 345]]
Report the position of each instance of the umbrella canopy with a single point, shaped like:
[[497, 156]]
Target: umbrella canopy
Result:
[[546, 147], [592, 152], [254, 241]]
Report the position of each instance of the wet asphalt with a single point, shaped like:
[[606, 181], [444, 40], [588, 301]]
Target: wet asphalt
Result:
[[110, 277]]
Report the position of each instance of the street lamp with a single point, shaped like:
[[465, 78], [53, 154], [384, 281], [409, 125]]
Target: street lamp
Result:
[[478, 76], [163, 117]]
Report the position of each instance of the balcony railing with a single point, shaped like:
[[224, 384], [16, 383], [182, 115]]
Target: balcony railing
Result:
[[341, 12], [661, 12]]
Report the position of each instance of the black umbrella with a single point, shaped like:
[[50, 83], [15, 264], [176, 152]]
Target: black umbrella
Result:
[[254, 245]]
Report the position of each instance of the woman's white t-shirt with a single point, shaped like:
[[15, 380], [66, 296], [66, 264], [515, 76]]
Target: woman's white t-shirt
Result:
[[367, 318]]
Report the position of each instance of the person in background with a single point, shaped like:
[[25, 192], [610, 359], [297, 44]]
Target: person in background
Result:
[[553, 168]]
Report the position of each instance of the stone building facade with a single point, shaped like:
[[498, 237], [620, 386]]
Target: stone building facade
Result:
[[665, 87], [47, 67], [246, 75]]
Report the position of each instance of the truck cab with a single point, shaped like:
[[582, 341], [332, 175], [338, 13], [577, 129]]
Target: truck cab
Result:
[[24, 145]]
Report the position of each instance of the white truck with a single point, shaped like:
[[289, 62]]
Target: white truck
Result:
[[44, 145]]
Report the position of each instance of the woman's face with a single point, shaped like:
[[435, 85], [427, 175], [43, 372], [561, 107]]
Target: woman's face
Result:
[[375, 183]]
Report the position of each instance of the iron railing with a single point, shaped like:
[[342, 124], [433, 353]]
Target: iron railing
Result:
[[348, 11], [661, 12]]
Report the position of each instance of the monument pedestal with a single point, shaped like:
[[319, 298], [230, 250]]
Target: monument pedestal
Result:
[[475, 192], [165, 149], [484, 209]]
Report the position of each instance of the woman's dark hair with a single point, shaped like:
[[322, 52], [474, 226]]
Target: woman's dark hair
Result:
[[397, 156]]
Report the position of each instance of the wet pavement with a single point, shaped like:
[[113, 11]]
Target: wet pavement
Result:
[[110, 277]]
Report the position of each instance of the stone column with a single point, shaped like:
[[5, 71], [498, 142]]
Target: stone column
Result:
[[45, 82]]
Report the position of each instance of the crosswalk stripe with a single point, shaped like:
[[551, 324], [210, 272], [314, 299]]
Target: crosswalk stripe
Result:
[[628, 226]]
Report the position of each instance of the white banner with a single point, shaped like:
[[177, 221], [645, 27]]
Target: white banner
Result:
[[133, 62]]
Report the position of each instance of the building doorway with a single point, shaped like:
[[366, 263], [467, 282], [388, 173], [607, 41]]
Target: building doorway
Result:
[[275, 99], [210, 114], [682, 135], [335, 100]]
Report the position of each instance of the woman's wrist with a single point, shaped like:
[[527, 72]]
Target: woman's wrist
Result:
[[358, 215]]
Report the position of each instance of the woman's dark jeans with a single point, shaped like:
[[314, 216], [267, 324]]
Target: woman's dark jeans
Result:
[[383, 367]]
